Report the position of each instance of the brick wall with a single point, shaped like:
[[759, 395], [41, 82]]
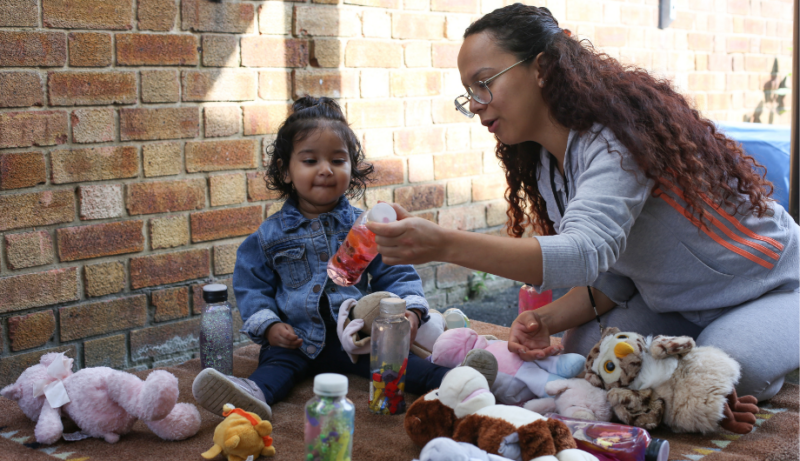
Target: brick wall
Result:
[[132, 139]]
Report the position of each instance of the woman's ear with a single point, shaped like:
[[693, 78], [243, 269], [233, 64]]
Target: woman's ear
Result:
[[537, 69]]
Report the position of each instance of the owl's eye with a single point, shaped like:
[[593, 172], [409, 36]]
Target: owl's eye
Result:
[[609, 366], [622, 337]]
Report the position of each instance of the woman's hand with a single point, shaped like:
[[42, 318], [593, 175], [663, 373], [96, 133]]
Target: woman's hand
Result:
[[410, 240], [530, 338], [282, 335]]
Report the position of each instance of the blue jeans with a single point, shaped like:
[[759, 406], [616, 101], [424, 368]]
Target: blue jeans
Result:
[[280, 368]]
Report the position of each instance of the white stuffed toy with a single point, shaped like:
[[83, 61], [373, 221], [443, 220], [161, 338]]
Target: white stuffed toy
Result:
[[574, 398]]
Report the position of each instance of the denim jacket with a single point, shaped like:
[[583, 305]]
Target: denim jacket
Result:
[[281, 273]]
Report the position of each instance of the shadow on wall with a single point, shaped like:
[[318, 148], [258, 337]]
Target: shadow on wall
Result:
[[775, 102]]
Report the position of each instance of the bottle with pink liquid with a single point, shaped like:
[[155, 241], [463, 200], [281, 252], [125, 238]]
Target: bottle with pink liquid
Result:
[[529, 299], [359, 248]]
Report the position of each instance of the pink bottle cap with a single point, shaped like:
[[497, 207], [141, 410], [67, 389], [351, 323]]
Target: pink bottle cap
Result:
[[382, 212]]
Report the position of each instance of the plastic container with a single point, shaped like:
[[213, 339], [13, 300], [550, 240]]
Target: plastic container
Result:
[[455, 318], [529, 299], [615, 442], [391, 337], [216, 330], [359, 248], [330, 420]]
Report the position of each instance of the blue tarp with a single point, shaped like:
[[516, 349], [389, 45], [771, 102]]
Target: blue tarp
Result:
[[770, 146]]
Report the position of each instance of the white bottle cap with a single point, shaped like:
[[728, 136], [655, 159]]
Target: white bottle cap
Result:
[[330, 385], [382, 212], [393, 306]]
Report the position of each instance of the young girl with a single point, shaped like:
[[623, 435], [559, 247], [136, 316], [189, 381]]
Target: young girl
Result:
[[288, 304]]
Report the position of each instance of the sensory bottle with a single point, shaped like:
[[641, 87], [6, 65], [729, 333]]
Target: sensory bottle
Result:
[[391, 337], [216, 330], [330, 420], [359, 248], [615, 442], [529, 299]]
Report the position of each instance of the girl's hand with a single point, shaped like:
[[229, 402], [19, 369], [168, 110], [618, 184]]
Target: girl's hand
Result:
[[282, 335], [414, 321], [530, 338], [410, 240]]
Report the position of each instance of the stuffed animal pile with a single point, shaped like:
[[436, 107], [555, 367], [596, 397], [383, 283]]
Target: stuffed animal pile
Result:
[[464, 409], [103, 402], [668, 378]]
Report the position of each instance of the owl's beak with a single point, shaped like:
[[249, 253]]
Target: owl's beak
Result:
[[622, 349]]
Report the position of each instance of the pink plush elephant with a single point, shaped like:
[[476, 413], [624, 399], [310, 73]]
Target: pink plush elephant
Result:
[[517, 381], [103, 402]]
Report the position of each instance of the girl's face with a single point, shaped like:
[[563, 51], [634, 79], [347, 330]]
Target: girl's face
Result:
[[320, 171], [516, 108]]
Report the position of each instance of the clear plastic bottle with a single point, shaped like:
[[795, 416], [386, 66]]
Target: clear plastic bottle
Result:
[[529, 299], [216, 330], [359, 248], [330, 420], [391, 337], [615, 442]]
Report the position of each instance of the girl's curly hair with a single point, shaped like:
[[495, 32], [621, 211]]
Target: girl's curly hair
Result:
[[667, 137], [308, 115]]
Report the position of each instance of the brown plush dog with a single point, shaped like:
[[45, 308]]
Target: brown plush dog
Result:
[[464, 409]]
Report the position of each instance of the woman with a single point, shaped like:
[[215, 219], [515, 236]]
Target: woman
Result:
[[661, 223]]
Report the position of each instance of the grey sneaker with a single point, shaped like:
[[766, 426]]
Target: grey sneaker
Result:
[[483, 361], [212, 390]]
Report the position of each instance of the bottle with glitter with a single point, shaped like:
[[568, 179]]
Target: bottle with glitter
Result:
[[359, 248], [216, 330], [530, 299], [391, 337], [330, 420]]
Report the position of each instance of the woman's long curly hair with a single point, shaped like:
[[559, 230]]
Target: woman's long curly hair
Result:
[[667, 137], [310, 114]]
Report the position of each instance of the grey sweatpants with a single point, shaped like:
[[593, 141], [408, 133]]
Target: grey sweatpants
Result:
[[763, 335]]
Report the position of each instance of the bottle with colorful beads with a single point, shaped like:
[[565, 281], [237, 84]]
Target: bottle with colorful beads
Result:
[[330, 420], [216, 330], [391, 337]]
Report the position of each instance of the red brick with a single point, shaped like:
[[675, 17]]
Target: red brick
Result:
[[700, 42], [220, 155], [90, 49], [635, 15], [205, 16], [13, 366], [448, 166], [450, 275], [198, 304], [220, 50], [91, 88], [274, 84], [165, 123], [329, 83], [489, 187], [166, 196], [225, 258], [103, 278], [38, 289], [321, 22], [405, 83], [261, 51], [414, 141], [21, 89], [32, 330], [157, 50], [156, 14], [445, 54], [387, 171], [264, 119], [36, 209], [94, 241], [29, 249], [92, 125], [165, 339], [740, 7], [388, 4], [165, 268], [423, 197], [755, 63], [160, 85], [418, 26], [222, 121], [110, 352], [456, 6], [88, 14], [25, 169], [257, 188], [219, 85], [770, 46], [444, 111], [372, 53], [719, 62], [33, 49], [102, 317], [737, 44], [40, 128], [19, 13], [171, 304], [463, 218], [226, 223], [94, 164], [375, 113], [610, 36], [496, 213]]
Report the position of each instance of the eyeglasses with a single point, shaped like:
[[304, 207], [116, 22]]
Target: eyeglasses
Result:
[[481, 92]]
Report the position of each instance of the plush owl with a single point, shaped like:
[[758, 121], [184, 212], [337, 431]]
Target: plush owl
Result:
[[668, 379]]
